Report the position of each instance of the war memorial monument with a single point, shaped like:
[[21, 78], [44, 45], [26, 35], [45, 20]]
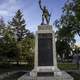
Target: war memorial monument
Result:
[[45, 63]]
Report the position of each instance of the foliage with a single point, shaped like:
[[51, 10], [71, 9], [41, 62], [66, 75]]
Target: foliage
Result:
[[17, 42], [63, 49], [2, 26], [28, 50], [18, 25], [68, 26], [24, 36]]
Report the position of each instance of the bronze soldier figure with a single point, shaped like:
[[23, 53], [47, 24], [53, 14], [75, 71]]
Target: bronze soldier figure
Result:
[[45, 15]]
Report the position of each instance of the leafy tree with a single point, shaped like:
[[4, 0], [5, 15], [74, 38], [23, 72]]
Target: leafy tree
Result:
[[72, 11], [18, 25], [2, 25], [28, 50], [2, 28], [69, 24], [24, 36], [63, 49], [9, 46], [18, 42]]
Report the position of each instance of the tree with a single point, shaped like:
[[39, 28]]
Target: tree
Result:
[[28, 50], [72, 7], [63, 49], [2, 25], [18, 42], [18, 24], [24, 36], [69, 24], [2, 28], [10, 49]]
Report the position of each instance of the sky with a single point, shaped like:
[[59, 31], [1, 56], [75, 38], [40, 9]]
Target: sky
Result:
[[31, 11]]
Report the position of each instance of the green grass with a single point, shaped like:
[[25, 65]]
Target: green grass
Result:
[[8, 68], [67, 66], [71, 69]]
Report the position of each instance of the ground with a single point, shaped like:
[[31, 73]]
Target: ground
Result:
[[71, 69], [21, 69]]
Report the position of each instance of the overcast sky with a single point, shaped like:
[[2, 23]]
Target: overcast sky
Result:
[[31, 11]]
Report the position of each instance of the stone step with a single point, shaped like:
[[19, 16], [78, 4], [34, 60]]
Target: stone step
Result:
[[45, 78]]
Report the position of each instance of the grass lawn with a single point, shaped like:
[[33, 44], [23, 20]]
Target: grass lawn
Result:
[[67, 66], [71, 69], [8, 68]]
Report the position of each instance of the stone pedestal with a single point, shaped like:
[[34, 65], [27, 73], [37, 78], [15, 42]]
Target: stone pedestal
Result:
[[45, 51], [45, 63]]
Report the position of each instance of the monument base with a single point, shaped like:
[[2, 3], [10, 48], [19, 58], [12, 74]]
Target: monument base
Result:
[[45, 66], [57, 75], [44, 71]]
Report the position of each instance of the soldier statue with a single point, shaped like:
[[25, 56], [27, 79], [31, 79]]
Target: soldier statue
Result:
[[45, 14]]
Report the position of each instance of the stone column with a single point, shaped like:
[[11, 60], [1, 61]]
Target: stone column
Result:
[[54, 50], [36, 51]]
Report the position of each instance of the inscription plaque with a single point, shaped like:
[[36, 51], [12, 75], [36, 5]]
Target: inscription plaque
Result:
[[45, 49]]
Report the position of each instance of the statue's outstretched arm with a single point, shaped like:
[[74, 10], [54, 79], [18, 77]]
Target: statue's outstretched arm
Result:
[[40, 5]]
